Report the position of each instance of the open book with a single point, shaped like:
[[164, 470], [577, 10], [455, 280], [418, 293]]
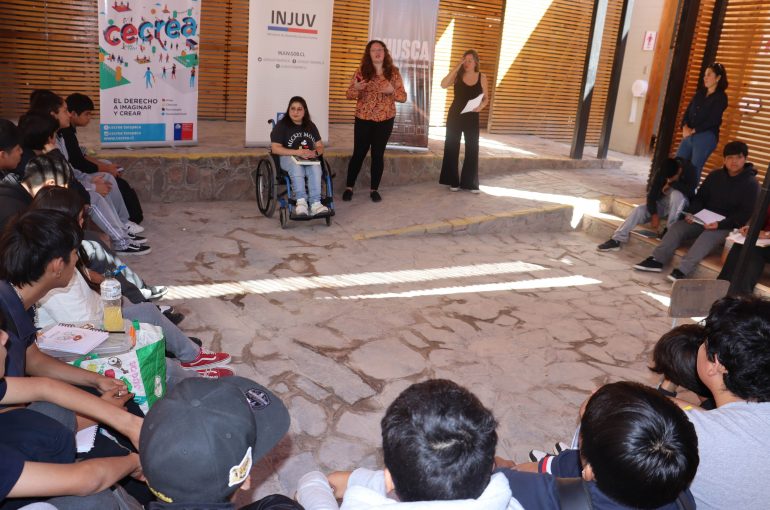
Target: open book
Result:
[[306, 161]]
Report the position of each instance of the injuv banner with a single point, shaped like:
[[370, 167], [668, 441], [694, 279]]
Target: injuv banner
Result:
[[148, 72], [408, 29], [289, 51]]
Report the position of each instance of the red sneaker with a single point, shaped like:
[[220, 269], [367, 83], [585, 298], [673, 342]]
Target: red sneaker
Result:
[[216, 372], [207, 359]]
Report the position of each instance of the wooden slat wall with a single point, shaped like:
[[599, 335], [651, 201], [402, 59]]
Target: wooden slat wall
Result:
[[539, 92], [350, 33], [476, 25], [46, 45], [744, 50]]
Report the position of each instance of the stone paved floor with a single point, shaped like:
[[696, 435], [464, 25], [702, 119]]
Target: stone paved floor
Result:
[[338, 324]]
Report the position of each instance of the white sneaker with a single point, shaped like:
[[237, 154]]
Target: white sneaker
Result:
[[134, 228], [317, 208], [301, 208]]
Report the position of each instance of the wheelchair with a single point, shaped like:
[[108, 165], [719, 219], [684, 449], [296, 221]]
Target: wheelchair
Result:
[[273, 186]]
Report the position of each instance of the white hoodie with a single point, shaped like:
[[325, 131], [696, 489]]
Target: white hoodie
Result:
[[366, 491]]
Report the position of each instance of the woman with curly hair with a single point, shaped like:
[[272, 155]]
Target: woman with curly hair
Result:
[[376, 86]]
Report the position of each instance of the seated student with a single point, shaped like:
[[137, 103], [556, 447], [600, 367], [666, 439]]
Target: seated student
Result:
[[10, 150], [199, 443], [675, 358], [80, 108], [734, 363], [38, 461], [755, 266], [438, 443], [78, 301], [50, 169], [108, 208], [730, 192], [637, 450], [673, 187], [296, 135]]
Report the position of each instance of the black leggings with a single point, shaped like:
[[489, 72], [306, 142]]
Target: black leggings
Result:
[[368, 133]]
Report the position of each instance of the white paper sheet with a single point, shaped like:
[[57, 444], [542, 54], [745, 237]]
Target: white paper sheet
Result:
[[704, 217], [473, 104]]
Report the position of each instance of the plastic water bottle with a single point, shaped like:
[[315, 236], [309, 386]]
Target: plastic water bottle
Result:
[[111, 298]]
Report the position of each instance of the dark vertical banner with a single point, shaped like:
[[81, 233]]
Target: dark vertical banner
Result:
[[408, 29]]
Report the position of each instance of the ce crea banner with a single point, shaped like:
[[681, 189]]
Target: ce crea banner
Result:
[[148, 72], [408, 29], [289, 51]]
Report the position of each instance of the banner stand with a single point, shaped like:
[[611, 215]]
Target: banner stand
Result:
[[408, 29], [289, 52]]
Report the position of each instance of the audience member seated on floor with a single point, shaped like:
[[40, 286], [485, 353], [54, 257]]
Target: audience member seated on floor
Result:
[[18, 189], [37, 453], [10, 148], [637, 450], [108, 208], [17, 192], [78, 301], [733, 439], [80, 108], [675, 359], [199, 443], [730, 192], [671, 189], [438, 444], [755, 264], [296, 135]]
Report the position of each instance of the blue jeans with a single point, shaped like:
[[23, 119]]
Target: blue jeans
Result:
[[697, 148], [297, 173]]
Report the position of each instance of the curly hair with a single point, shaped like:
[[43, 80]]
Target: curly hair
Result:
[[367, 66]]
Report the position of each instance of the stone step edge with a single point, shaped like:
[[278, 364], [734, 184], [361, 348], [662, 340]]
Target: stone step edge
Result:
[[466, 224]]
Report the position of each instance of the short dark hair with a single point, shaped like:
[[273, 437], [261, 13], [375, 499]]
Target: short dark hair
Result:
[[735, 147], [738, 334], [45, 167], [36, 129], [31, 241], [9, 135], [57, 198], [641, 446], [438, 442], [79, 103], [675, 357], [45, 101]]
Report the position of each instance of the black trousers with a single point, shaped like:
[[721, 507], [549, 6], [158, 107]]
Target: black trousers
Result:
[[369, 134], [466, 125], [755, 266]]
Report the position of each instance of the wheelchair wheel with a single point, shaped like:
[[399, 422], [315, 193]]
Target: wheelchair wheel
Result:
[[283, 214], [266, 187]]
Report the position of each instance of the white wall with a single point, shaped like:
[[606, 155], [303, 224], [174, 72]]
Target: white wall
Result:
[[636, 65]]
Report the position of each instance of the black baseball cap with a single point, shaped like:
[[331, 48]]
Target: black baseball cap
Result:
[[198, 444]]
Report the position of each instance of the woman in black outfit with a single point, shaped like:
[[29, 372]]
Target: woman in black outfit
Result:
[[701, 121], [469, 83]]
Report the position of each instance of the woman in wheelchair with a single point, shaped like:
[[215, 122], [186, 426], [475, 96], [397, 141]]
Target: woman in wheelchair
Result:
[[295, 139]]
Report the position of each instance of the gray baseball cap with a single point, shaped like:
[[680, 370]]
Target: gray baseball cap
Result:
[[199, 442]]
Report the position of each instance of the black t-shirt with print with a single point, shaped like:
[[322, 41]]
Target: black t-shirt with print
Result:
[[293, 136]]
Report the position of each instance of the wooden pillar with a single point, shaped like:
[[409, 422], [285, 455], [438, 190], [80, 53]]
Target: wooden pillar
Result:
[[588, 82], [617, 66]]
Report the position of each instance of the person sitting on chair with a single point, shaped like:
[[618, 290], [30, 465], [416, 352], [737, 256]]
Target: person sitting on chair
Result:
[[295, 138]]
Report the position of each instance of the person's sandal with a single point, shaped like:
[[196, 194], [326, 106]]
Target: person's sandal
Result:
[[347, 195], [375, 196]]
